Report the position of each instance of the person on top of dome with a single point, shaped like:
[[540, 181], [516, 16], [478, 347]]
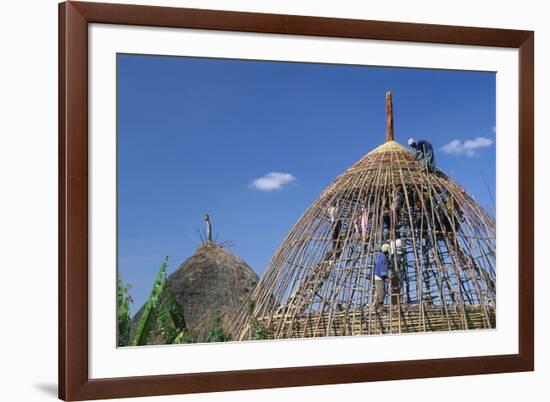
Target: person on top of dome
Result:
[[425, 152]]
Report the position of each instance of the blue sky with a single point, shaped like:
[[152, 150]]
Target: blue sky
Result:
[[253, 143]]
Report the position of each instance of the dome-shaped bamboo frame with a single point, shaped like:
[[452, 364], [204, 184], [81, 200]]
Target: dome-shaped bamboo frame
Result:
[[320, 282]]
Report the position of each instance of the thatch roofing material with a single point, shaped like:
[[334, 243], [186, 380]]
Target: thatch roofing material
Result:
[[211, 281]]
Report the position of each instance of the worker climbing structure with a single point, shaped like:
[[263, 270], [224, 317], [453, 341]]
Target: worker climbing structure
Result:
[[320, 281]]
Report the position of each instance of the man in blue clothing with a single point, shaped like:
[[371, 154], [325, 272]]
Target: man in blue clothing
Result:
[[381, 272], [425, 152]]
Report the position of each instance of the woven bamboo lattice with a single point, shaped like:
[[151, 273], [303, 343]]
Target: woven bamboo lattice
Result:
[[320, 281]]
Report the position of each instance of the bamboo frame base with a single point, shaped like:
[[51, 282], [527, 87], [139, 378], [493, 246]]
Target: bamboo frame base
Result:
[[385, 321]]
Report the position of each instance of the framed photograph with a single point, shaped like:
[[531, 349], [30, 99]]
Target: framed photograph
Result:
[[259, 200]]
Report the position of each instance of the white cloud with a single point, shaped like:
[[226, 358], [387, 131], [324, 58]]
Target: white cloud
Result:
[[468, 147], [272, 181]]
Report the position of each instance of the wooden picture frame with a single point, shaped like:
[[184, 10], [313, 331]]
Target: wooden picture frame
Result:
[[74, 381]]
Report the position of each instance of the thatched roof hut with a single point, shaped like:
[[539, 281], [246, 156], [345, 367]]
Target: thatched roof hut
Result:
[[209, 286], [321, 282], [212, 281]]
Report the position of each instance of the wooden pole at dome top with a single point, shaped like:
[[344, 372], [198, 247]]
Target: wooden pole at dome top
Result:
[[389, 117]]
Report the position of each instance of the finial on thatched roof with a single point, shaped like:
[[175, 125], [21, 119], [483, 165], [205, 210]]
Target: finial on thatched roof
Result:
[[389, 117], [208, 229]]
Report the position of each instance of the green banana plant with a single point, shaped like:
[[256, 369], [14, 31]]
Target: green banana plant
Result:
[[162, 315], [123, 312], [148, 319]]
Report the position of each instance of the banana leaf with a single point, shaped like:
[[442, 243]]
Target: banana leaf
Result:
[[182, 337], [170, 317], [216, 333]]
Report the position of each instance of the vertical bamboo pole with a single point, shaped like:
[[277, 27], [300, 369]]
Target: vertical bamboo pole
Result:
[[389, 117]]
